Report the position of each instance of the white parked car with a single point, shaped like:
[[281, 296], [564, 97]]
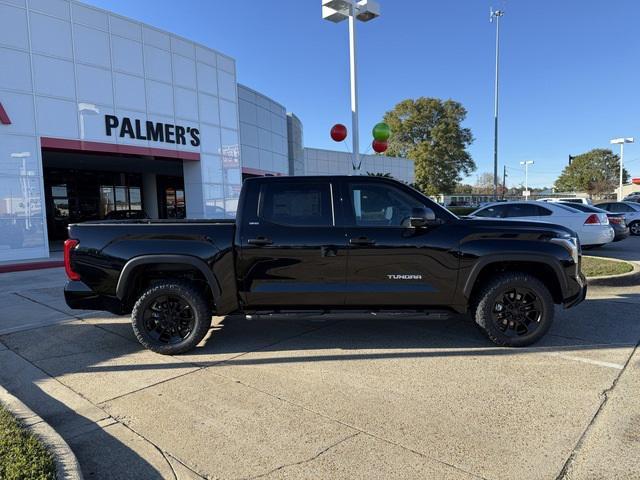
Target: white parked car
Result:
[[584, 201], [593, 229], [631, 211]]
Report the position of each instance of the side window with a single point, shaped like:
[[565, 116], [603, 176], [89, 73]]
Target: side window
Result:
[[495, 211], [626, 208], [543, 212], [381, 205], [517, 210], [296, 203]]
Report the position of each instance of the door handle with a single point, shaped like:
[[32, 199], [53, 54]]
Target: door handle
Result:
[[361, 241], [260, 241]]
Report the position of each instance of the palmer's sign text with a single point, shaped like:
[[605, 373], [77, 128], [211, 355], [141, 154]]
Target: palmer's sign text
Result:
[[152, 131]]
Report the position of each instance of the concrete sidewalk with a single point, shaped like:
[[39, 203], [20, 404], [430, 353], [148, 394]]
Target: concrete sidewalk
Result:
[[358, 398]]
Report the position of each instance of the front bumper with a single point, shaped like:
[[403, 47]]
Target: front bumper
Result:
[[79, 296], [578, 291]]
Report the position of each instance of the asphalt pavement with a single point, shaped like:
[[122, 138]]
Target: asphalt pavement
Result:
[[365, 397]]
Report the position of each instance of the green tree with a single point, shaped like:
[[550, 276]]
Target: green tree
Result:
[[596, 172], [429, 131]]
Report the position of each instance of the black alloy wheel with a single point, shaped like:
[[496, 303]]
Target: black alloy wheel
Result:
[[517, 312], [172, 316], [514, 309], [169, 319]]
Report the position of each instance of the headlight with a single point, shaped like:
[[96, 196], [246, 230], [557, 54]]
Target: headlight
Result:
[[570, 243]]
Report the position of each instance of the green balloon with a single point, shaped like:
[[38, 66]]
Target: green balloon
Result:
[[381, 132]]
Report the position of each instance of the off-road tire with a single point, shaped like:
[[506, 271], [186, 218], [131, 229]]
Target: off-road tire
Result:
[[188, 293], [484, 300]]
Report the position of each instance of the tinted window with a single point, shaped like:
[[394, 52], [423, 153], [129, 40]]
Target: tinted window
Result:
[[381, 205], [494, 211], [522, 210], [585, 208], [620, 207], [296, 203]]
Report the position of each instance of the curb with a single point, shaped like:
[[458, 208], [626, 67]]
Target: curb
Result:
[[631, 278], [67, 466]]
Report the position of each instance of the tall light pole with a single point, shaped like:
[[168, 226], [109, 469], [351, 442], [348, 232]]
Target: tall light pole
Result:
[[526, 177], [496, 15], [364, 10], [621, 142]]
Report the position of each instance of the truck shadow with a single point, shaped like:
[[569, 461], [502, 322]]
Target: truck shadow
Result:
[[594, 325]]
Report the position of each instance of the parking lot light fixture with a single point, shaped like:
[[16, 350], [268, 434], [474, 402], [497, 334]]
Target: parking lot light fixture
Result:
[[364, 10], [621, 141], [526, 177]]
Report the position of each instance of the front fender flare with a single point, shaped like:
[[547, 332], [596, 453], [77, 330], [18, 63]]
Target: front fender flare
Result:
[[514, 257]]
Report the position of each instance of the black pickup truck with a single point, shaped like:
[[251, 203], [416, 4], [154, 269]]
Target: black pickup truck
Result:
[[324, 244]]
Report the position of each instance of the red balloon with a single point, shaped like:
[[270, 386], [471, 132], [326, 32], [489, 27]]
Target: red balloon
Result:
[[338, 132], [379, 147]]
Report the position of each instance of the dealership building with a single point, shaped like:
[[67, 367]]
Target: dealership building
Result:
[[105, 117]]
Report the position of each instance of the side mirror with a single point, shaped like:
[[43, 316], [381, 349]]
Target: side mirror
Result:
[[421, 217]]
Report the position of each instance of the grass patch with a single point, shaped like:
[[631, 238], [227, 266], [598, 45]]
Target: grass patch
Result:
[[22, 456], [462, 211], [598, 267]]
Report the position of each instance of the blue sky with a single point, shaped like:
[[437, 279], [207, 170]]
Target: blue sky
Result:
[[569, 68]]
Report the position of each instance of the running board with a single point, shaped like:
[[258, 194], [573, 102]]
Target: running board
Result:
[[428, 314]]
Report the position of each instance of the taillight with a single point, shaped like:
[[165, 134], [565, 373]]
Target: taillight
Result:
[[592, 220], [69, 245], [616, 220]]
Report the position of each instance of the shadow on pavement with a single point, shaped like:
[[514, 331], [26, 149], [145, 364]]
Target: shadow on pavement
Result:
[[91, 356]]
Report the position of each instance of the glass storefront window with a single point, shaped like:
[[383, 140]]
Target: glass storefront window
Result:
[[107, 200], [135, 198], [122, 203], [58, 190]]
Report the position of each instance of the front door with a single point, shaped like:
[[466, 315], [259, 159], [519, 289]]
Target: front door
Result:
[[171, 200], [390, 263], [292, 253]]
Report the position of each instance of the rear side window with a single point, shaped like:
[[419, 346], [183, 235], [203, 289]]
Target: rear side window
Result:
[[495, 211], [620, 207], [523, 210], [296, 203]]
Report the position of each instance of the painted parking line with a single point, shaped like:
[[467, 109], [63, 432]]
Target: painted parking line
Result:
[[590, 361]]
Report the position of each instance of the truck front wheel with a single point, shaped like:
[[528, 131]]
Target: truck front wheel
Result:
[[513, 309], [171, 317]]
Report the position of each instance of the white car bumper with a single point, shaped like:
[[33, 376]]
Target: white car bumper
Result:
[[596, 234]]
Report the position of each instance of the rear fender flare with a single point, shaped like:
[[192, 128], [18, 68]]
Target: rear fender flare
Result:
[[131, 265]]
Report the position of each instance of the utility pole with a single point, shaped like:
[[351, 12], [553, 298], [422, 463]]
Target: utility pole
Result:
[[504, 180], [496, 15]]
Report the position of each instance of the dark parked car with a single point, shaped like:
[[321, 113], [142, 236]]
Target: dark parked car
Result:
[[616, 220], [630, 210], [324, 244]]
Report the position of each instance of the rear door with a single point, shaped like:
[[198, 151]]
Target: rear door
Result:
[[526, 211], [391, 263], [292, 253]]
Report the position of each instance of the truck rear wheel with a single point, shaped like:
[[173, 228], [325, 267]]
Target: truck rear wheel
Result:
[[514, 309], [171, 317]]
